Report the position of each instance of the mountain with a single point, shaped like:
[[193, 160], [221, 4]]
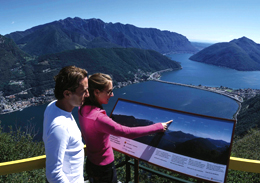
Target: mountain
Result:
[[74, 33], [121, 63], [179, 136], [174, 138], [240, 54], [204, 149], [248, 116], [200, 45], [11, 62], [179, 142], [130, 121]]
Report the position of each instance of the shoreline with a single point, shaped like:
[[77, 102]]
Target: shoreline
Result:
[[240, 100], [155, 76], [238, 110]]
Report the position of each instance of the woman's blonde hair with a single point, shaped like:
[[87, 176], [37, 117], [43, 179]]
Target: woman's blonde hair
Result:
[[98, 81]]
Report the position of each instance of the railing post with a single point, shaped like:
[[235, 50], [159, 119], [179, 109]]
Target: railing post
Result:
[[127, 169], [136, 170]]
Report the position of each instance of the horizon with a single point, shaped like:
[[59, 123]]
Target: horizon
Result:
[[187, 123], [198, 21]]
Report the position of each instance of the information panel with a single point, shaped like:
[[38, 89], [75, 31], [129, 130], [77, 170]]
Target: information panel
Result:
[[195, 145]]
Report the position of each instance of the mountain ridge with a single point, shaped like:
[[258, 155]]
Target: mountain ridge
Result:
[[73, 33], [240, 54], [123, 64], [11, 60]]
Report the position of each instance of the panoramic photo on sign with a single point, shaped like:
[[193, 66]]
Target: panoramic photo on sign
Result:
[[195, 145]]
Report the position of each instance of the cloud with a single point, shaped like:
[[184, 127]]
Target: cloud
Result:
[[12, 22]]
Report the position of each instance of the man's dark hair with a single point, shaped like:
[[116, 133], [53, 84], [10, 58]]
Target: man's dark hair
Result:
[[68, 79]]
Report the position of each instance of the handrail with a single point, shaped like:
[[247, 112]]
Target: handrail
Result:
[[27, 164], [38, 162], [246, 165]]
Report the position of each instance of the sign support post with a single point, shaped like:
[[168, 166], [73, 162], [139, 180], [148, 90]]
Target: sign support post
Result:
[[136, 170]]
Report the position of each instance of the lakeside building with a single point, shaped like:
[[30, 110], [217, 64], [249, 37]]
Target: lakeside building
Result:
[[10, 104]]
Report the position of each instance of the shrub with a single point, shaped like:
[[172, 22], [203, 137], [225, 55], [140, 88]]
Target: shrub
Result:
[[19, 145]]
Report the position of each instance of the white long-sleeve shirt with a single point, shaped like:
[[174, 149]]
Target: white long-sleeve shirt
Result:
[[63, 146]]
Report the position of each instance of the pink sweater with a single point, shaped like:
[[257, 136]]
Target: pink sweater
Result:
[[96, 128]]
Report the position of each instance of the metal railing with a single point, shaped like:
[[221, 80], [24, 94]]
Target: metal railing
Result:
[[38, 162]]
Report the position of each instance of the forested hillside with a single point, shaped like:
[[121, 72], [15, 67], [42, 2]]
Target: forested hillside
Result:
[[11, 60], [121, 63], [240, 54], [249, 116], [74, 33], [21, 72]]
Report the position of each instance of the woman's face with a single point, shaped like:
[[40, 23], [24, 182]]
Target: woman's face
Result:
[[103, 96]]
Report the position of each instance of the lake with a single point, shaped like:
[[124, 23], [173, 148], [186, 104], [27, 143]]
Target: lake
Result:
[[209, 75], [166, 95]]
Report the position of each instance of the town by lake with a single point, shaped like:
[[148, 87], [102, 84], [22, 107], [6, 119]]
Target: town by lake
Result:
[[165, 95]]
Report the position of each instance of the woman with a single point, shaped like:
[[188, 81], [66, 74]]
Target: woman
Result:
[[96, 127]]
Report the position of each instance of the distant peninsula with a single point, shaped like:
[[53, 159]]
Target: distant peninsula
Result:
[[241, 54]]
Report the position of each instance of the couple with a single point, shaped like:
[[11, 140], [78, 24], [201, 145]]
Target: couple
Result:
[[62, 137]]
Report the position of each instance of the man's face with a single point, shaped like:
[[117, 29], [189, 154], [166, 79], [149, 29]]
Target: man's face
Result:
[[77, 97]]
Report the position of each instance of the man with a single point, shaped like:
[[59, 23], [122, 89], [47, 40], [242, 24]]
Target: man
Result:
[[61, 135]]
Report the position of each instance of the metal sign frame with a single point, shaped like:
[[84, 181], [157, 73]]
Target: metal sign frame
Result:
[[195, 145]]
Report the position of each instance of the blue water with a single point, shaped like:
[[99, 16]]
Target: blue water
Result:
[[150, 92], [209, 75], [165, 95], [177, 97]]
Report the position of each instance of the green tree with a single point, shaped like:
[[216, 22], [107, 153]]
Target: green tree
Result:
[[17, 145], [247, 147]]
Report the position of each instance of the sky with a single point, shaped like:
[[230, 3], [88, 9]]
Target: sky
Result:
[[199, 20], [187, 123]]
